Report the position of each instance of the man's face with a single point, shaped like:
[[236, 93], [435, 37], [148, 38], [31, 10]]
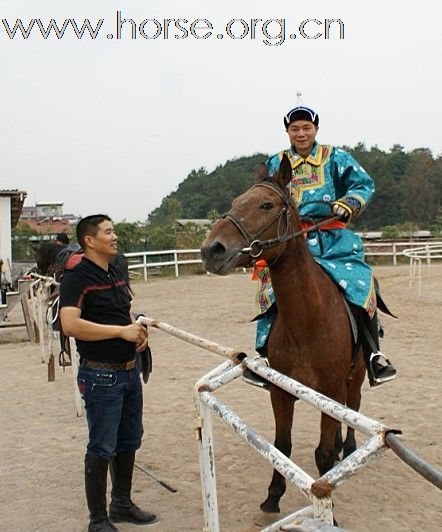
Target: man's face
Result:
[[105, 241], [302, 134]]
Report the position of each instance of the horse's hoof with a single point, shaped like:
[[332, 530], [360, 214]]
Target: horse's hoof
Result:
[[271, 504], [265, 518]]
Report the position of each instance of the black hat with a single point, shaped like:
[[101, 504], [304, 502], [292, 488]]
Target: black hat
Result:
[[301, 113]]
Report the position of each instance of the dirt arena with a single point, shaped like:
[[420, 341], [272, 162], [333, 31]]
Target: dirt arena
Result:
[[42, 441]]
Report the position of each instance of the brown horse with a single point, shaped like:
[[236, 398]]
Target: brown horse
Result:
[[311, 339]]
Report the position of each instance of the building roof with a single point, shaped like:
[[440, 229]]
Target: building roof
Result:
[[195, 221], [50, 225], [17, 199]]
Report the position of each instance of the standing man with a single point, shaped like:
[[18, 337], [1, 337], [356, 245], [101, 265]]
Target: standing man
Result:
[[325, 177], [95, 310]]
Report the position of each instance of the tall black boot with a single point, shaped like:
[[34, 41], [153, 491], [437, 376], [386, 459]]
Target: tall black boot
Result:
[[95, 476], [379, 368], [121, 507]]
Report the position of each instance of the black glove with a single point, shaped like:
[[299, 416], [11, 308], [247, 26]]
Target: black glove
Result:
[[143, 359]]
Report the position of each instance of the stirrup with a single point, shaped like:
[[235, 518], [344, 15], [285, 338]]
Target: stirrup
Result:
[[380, 372], [253, 378]]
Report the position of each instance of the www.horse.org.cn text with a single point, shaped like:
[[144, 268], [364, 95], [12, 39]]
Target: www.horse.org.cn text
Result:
[[270, 31]]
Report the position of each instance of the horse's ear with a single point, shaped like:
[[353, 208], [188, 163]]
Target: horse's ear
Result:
[[285, 172], [261, 173]]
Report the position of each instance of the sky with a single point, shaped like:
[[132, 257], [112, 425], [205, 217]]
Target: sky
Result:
[[113, 125]]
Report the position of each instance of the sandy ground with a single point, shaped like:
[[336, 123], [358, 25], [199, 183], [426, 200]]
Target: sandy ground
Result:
[[42, 442]]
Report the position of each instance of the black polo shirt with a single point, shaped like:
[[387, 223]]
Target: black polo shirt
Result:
[[103, 297]]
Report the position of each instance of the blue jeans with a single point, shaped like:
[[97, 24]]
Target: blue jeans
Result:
[[114, 409]]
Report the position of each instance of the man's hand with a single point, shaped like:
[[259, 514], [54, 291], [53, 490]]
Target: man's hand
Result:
[[137, 334], [73, 325]]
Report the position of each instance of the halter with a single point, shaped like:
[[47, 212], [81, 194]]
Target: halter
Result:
[[256, 247]]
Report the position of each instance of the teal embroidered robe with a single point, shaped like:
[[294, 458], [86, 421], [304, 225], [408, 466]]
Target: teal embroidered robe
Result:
[[328, 174]]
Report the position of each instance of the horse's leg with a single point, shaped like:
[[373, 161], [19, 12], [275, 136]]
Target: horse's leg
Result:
[[325, 452], [339, 444], [354, 402], [282, 404]]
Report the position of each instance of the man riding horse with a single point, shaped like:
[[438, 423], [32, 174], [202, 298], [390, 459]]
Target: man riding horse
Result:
[[325, 177]]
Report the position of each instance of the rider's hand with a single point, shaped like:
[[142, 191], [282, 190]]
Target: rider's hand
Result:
[[340, 212], [347, 208]]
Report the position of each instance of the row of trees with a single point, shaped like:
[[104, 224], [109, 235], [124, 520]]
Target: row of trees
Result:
[[408, 188]]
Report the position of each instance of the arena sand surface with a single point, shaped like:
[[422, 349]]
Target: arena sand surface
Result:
[[42, 441]]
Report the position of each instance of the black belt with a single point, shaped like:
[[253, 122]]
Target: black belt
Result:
[[116, 366]]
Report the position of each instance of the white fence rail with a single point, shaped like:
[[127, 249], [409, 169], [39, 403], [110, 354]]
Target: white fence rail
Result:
[[144, 264], [175, 256], [428, 252], [393, 249]]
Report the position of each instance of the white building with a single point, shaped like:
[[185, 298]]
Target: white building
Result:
[[11, 205]]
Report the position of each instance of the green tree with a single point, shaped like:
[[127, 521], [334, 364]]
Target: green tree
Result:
[[213, 215], [21, 244], [132, 236], [161, 237], [390, 231]]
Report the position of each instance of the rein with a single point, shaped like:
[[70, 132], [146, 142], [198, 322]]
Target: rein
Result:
[[256, 246]]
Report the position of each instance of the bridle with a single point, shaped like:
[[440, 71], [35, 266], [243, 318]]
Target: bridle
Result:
[[256, 246]]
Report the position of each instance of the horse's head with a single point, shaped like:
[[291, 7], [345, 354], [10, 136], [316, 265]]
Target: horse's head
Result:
[[46, 257], [255, 225]]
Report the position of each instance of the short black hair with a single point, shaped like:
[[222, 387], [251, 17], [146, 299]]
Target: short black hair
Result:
[[62, 237], [88, 226]]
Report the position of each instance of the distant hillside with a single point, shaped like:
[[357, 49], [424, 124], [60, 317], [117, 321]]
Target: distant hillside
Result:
[[202, 192], [408, 188]]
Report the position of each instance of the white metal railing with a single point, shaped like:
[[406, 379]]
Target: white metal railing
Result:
[[378, 249], [427, 252], [391, 249], [206, 403], [176, 262]]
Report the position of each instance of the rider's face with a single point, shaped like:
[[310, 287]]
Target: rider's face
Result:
[[302, 134]]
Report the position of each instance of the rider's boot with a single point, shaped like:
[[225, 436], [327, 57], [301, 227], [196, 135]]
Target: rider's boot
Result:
[[379, 368], [253, 378]]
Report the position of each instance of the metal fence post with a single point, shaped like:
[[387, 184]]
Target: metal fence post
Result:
[[203, 426], [175, 258], [145, 266]]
